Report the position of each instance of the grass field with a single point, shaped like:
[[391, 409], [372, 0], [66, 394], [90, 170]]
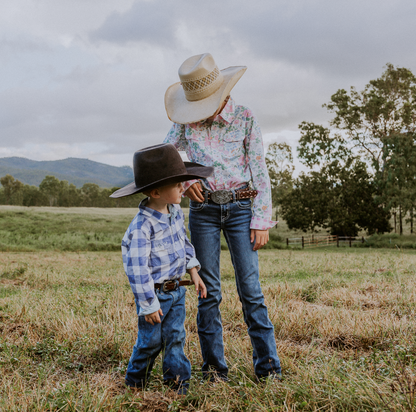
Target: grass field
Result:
[[76, 229], [101, 229], [344, 323]]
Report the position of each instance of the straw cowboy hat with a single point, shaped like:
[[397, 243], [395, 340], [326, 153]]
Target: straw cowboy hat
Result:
[[201, 90], [160, 165]]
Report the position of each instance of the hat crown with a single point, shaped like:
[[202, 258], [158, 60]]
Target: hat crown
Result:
[[197, 67], [157, 163], [200, 77]]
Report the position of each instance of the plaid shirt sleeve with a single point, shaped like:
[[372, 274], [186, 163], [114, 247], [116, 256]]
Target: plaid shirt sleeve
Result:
[[136, 253]]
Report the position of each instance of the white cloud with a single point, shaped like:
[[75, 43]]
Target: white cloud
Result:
[[87, 78]]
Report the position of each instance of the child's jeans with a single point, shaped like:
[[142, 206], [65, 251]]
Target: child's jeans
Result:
[[168, 337], [206, 220]]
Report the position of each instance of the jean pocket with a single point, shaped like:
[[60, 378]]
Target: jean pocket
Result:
[[196, 206], [244, 203]]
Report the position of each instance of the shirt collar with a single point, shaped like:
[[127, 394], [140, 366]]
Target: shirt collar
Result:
[[228, 113], [161, 217]]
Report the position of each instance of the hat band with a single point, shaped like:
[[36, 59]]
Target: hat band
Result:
[[196, 89]]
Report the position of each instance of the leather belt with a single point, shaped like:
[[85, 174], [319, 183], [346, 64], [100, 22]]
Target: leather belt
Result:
[[169, 285], [225, 196]]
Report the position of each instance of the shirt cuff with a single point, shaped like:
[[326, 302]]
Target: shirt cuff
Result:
[[259, 223], [193, 263], [154, 307], [187, 184]]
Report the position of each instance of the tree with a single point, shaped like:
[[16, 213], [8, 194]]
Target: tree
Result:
[[74, 196], [50, 187], [11, 187], [305, 207], [32, 196], [279, 161], [91, 194], [69, 195], [397, 182], [386, 107], [337, 198], [366, 126]]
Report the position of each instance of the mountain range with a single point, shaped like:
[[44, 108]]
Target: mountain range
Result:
[[74, 170]]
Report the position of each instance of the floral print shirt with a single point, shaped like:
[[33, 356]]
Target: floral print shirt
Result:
[[234, 147]]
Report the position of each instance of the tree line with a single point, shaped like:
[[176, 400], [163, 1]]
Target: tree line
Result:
[[55, 192], [361, 168]]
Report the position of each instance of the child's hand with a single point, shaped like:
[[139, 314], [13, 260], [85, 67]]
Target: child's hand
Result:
[[199, 284], [154, 317]]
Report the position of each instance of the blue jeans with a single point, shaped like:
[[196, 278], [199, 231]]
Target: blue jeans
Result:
[[206, 220], [168, 337]]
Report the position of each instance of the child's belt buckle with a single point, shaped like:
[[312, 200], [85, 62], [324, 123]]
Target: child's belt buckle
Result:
[[170, 285], [221, 197]]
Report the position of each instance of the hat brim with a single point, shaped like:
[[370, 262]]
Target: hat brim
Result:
[[182, 111], [194, 171]]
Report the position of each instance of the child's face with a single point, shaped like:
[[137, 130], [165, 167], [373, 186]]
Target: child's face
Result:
[[171, 193]]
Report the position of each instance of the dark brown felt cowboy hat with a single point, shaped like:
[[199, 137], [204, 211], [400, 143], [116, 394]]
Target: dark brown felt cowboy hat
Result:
[[160, 165]]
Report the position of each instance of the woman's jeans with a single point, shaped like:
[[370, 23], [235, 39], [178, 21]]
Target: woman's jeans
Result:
[[168, 337], [205, 223]]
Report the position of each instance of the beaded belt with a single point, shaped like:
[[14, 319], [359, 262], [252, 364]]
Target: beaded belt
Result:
[[225, 196]]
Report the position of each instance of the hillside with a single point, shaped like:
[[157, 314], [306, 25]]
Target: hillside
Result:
[[74, 170]]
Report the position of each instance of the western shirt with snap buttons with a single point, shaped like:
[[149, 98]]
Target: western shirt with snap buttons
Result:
[[155, 248], [233, 145]]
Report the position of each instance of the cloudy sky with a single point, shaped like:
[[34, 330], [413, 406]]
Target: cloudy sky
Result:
[[86, 78]]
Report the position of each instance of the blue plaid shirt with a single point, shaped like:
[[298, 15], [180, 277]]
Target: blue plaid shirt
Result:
[[155, 248]]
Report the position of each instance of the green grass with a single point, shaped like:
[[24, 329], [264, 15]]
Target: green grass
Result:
[[67, 229], [344, 324], [101, 229]]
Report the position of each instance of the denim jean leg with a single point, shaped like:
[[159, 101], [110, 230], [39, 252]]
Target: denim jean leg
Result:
[[176, 366], [168, 336], [245, 261], [147, 347], [205, 228]]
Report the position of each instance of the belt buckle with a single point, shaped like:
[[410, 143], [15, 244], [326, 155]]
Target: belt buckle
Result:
[[169, 282], [221, 197]]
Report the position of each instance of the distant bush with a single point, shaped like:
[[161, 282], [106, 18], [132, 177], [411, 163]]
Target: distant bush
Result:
[[55, 192]]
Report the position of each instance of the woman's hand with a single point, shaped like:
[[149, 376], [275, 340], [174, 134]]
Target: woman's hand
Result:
[[194, 193], [261, 237], [199, 284]]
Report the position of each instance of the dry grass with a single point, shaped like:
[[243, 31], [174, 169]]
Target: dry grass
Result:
[[344, 322]]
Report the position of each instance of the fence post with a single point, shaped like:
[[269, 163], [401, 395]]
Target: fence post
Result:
[[337, 241], [287, 242], [350, 241], [303, 243], [362, 239]]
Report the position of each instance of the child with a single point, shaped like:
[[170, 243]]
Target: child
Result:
[[214, 131], [156, 254]]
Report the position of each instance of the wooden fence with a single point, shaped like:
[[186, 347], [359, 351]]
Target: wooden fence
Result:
[[323, 240]]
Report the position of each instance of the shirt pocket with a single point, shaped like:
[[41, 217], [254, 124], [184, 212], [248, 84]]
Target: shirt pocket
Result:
[[234, 144], [159, 253]]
